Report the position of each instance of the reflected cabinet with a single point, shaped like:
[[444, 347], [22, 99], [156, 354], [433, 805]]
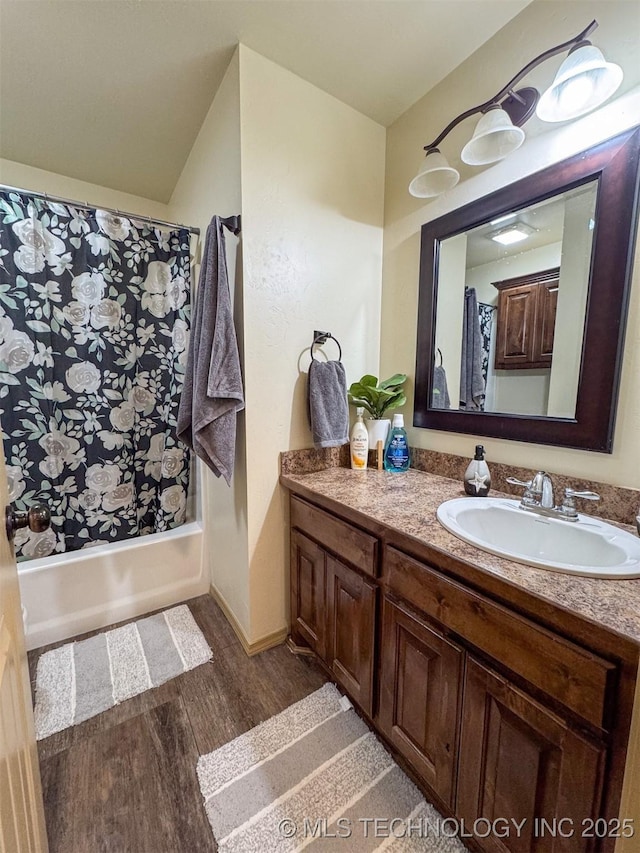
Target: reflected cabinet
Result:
[[525, 321]]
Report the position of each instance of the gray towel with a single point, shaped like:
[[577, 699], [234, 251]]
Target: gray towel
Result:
[[328, 406], [440, 391], [471, 380], [212, 394]]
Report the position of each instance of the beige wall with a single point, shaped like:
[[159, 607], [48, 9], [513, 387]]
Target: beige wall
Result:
[[208, 185], [312, 206], [541, 24], [28, 178]]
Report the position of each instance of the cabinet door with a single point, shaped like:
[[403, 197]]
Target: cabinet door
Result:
[[520, 762], [546, 307], [515, 324], [419, 696], [351, 610], [308, 612]]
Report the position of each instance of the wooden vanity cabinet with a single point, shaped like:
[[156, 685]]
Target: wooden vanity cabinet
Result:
[[521, 761], [420, 691], [525, 321], [351, 612], [308, 592], [498, 716], [333, 604]]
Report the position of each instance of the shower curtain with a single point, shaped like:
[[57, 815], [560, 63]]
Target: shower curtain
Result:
[[94, 325]]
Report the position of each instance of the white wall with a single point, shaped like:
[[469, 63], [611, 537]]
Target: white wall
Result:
[[312, 206], [540, 25], [208, 185]]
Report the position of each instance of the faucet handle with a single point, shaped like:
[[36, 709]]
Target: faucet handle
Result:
[[587, 496], [526, 484], [568, 508], [530, 495]]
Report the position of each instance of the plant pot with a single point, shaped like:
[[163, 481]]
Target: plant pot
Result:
[[378, 431]]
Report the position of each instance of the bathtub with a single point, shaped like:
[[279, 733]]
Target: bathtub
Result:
[[68, 594]]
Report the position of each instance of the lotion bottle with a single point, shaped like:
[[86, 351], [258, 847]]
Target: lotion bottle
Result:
[[359, 443], [477, 479]]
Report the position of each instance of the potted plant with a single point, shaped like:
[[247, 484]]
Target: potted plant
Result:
[[378, 398]]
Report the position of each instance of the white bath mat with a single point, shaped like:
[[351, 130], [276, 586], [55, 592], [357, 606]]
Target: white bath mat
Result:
[[79, 680], [315, 776]]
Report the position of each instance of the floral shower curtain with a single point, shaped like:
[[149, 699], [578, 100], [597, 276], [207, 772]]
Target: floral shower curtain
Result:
[[94, 325]]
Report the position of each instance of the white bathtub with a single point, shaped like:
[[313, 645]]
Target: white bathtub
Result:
[[67, 594]]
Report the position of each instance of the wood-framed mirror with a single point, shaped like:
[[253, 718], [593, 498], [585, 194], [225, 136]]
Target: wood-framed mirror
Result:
[[523, 300]]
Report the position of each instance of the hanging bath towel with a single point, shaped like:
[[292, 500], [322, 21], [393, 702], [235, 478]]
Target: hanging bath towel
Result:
[[327, 401], [212, 394], [471, 380]]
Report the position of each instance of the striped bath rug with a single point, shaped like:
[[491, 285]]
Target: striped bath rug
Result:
[[316, 776], [79, 680]]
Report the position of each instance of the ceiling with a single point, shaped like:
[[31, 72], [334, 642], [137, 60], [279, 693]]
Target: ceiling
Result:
[[113, 92]]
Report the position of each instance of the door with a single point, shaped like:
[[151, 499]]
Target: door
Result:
[[351, 612], [307, 592], [22, 827], [420, 696], [520, 762]]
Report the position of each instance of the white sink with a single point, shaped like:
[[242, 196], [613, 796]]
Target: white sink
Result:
[[588, 547]]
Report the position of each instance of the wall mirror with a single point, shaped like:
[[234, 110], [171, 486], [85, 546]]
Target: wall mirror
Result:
[[523, 302]]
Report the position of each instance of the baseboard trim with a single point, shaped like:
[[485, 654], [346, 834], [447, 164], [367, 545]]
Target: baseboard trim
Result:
[[270, 641]]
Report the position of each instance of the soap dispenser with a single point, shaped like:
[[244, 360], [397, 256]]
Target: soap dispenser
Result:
[[477, 479]]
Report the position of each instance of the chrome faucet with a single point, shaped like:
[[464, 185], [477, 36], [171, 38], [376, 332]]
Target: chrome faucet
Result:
[[538, 497]]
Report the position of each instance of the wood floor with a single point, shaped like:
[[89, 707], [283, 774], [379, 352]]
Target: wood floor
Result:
[[125, 781]]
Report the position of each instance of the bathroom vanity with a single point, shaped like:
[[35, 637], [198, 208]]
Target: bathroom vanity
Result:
[[505, 691]]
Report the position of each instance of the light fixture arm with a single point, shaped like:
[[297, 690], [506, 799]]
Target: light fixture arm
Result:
[[481, 108]]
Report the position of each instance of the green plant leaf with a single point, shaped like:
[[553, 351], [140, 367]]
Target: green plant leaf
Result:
[[396, 379], [369, 380]]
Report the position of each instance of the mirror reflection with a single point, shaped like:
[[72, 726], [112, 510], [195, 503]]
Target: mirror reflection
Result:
[[511, 305]]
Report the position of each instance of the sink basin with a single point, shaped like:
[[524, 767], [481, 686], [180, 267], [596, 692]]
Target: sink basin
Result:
[[588, 547]]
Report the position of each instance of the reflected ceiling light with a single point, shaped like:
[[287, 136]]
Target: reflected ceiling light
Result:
[[514, 233], [584, 81]]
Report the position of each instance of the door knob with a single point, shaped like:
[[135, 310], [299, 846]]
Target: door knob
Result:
[[37, 518]]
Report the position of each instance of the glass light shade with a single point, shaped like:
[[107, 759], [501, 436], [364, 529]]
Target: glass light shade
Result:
[[434, 177], [495, 136], [583, 82]]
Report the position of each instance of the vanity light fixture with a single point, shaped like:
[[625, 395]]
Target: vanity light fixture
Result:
[[514, 233], [583, 82]]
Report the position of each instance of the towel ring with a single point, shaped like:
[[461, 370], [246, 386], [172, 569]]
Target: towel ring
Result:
[[320, 338]]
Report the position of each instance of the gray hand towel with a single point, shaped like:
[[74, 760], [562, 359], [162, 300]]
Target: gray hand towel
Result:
[[212, 394], [471, 381], [328, 406], [440, 391]]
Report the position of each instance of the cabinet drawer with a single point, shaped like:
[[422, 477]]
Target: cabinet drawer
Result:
[[572, 675], [349, 543]]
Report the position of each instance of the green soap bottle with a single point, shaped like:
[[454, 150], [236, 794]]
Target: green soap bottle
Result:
[[396, 450]]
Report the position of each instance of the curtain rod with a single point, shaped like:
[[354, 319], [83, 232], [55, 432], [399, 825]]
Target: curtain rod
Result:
[[86, 206]]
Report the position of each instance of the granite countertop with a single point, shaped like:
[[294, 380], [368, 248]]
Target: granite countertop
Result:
[[408, 502]]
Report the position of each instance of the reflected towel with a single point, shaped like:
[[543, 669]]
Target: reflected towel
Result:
[[328, 406], [212, 394], [471, 380], [440, 391]]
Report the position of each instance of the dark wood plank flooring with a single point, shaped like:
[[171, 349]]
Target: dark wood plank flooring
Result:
[[125, 781]]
